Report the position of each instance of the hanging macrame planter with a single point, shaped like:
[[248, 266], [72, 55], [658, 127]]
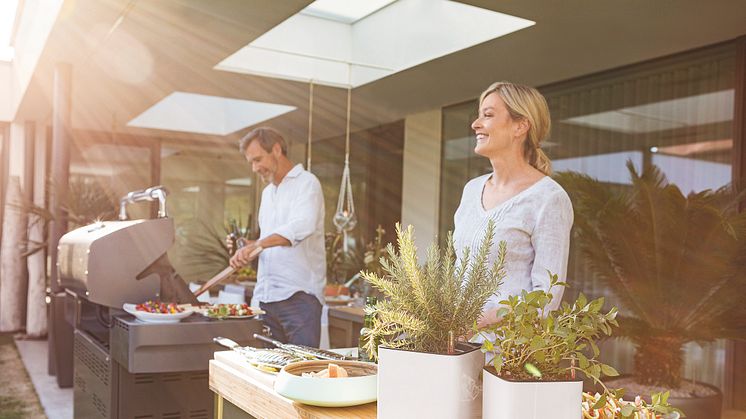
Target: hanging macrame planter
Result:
[[344, 218], [310, 124]]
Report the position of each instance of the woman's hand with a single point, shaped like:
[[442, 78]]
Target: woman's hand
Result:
[[489, 318]]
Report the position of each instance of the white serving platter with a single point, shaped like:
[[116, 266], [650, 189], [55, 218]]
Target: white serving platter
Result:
[[146, 317]]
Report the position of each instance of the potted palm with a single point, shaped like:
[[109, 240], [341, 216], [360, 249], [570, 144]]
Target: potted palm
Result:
[[674, 262], [422, 370], [538, 357], [341, 263]]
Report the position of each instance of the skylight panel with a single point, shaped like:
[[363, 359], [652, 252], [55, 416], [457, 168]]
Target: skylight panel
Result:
[[202, 114], [325, 46], [344, 11]]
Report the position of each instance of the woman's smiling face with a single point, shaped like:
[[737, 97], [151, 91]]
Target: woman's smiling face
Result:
[[494, 128]]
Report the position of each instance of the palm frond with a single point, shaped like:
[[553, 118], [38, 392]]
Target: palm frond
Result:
[[674, 261]]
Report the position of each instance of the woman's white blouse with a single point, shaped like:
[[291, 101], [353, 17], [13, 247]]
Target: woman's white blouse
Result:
[[535, 224]]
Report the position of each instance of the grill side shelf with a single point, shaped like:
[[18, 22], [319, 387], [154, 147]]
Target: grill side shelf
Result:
[[186, 346]]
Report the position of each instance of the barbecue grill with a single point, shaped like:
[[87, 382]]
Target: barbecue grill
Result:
[[123, 368]]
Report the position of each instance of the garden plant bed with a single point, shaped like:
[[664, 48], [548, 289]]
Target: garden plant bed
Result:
[[698, 400], [17, 395]]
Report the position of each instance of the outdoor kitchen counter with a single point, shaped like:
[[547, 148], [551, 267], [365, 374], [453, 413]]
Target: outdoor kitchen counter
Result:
[[344, 326], [244, 392]]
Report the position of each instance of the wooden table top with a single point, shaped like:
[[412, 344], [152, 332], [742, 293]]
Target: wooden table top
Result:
[[253, 391], [353, 314]]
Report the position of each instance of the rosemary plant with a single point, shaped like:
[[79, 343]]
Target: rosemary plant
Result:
[[422, 304]]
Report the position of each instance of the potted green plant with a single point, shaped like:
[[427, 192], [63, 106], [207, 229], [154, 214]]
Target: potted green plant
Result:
[[537, 357], [203, 251], [341, 263], [422, 371], [674, 262]]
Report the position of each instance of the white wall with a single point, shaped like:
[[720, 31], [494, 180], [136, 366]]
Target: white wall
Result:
[[40, 166], [421, 177], [6, 95], [16, 158]]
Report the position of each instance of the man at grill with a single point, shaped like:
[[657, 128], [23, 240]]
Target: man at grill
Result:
[[292, 258]]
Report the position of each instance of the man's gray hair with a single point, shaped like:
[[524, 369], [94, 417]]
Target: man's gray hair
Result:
[[267, 138]]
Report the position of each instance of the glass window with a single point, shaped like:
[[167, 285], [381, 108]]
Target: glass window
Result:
[[375, 174], [459, 163], [209, 186], [101, 172], [676, 114], [376, 177]]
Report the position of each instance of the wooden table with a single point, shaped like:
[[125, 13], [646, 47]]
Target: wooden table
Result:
[[344, 326], [243, 392]]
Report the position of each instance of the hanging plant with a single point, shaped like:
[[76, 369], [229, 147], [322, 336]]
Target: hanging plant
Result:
[[344, 218]]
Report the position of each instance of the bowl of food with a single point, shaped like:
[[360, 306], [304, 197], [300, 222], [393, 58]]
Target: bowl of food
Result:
[[328, 383], [158, 311]]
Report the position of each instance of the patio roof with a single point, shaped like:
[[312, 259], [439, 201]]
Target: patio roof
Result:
[[127, 59]]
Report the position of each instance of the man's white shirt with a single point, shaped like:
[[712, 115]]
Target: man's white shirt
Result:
[[294, 209]]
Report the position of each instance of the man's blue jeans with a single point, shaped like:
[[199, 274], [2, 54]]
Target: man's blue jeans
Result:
[[296, 320]]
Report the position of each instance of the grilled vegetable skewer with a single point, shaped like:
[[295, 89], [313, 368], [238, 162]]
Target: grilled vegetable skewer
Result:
[[304, 351], [269, 360]]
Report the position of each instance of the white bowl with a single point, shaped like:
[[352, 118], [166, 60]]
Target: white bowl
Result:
[[157, 317], [328, 392]]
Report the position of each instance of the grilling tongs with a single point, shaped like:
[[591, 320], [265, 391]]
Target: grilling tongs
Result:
[[302, 350], [225, 273]]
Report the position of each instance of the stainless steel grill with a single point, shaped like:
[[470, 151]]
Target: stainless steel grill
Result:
[[102, 261], [124, 368]]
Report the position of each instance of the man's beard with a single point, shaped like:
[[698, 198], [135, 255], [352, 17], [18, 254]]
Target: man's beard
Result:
[[270, 177]]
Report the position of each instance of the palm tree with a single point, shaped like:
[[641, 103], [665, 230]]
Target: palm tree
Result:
[[676, 263]]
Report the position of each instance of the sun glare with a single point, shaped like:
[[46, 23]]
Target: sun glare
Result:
[[7, 20]]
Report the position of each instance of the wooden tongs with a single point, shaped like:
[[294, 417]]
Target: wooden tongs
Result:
[[225, 273]]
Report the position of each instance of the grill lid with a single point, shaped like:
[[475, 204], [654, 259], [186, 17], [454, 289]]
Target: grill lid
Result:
[[103, 260]]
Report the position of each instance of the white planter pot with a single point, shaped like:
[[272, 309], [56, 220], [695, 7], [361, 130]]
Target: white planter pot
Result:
[[425, 385], [504, 399]]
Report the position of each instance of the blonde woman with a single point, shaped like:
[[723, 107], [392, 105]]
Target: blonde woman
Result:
[[532, 212]]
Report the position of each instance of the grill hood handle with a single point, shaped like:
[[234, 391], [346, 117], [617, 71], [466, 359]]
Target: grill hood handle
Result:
[[150, 194]]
